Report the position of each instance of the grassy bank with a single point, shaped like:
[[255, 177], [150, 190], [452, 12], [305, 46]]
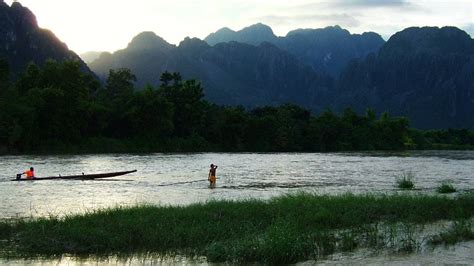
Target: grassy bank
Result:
[[285, 229]]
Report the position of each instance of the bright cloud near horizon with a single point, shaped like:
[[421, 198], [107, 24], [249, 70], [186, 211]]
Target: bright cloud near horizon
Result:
[[109, 25]]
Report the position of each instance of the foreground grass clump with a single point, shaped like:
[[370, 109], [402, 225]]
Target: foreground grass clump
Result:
[[405, 181], [282, 230], [445, 188]]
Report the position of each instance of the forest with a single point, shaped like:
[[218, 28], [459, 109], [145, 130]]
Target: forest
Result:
[[58, 108]]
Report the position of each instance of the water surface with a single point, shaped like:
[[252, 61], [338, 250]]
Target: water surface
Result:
[[181, 178]]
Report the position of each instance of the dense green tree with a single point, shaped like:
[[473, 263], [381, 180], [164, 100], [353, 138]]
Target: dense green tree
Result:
[[391, 133], [29, 79], [176, 78], [119, 90], [4, 75], [261, 133], [5, 105], [291, 127], [58, 102], [188, 103], [231, 126], [165, 78], [450, 136], [370, 114], [151, 114], [120, 85], [59, 107], [327, 130]]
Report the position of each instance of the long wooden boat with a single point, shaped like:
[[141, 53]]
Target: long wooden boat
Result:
[[78, 177]]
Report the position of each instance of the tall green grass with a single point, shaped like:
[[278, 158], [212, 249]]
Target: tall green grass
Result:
[[446, 187], [406, 181], [281, 230]]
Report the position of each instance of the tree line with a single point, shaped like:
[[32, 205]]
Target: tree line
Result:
[[60, 108]]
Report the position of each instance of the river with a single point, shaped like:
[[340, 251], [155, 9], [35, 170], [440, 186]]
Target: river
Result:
[[172, 179], [166, 179]]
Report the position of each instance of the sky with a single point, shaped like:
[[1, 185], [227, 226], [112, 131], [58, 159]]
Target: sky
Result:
[[109, 25]]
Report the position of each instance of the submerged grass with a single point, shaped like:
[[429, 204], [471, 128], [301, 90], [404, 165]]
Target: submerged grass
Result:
[[281, 230], [461, 230], [405, 181], [446, 187]]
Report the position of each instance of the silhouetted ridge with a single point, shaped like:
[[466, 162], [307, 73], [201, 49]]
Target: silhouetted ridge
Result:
[[193, 45], [222, 35], [258, 30], [232, 73], [22, 41], [328, 49], [254, 35], [429, 40], [332, 30], [426, 74], [149, 41], [23, 15]]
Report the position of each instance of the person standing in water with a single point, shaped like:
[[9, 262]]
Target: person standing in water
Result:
[[212, 176]]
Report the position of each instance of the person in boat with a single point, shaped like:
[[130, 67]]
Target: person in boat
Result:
[[212, 176], [30, 174]]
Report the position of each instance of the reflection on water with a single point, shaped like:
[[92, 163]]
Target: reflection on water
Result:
[[181, 178], [149, 259], [459, 254]]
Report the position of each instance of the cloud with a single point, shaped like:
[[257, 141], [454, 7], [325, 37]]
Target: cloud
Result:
[[371, 3], [357, 4], [342, 19]]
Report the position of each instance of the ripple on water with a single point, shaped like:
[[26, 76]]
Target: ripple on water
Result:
[[181, 178], [459, 254]]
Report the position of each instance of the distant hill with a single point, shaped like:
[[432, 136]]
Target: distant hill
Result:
[[254, 35], [330, 49], [22, 41], [90, 56], [327, 50], [232, 73], [424, 73]]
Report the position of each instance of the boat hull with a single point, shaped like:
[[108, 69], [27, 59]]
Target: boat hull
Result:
[[78, 177]]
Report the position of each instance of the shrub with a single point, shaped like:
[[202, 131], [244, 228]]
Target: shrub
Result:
[[405, 181], [446, 187]]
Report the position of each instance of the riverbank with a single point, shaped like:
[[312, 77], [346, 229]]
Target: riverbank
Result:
[[285, 229], [196, 144]]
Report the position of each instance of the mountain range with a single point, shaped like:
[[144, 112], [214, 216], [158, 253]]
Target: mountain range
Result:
[[426, 74], [326, 50], [232, 73], [251, 67]]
